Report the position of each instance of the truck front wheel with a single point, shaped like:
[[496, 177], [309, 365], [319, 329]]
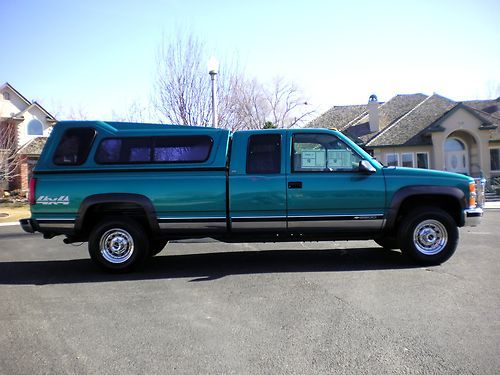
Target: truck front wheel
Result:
[[118, 244], [428, 235]]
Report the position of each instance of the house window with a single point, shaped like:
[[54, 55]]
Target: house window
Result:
[[495, 159], [453, 144], [6, 96], [35, 127], [423, 160], [407, 159], [392, 160]]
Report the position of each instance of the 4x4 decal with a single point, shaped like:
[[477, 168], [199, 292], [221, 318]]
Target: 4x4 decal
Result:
[[44, 199]]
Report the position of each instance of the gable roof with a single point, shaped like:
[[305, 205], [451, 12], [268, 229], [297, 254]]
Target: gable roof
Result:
[[406, 120], [490, 106], [37, 105], [33, 147], [408, 129], [389, 112], [29, 104], [339, 116], [8, 85], [489, 121]]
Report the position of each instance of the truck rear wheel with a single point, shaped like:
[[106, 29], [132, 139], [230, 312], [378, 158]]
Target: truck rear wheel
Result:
[[428, 235], [118, 244]]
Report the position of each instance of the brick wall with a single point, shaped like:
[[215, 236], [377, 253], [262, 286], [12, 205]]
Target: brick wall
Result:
[[24, 173]]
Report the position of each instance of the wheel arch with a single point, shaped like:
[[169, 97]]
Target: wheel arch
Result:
[[449, 198], [116, 203]]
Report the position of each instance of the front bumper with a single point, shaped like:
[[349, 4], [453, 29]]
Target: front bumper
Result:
[[472, 217]]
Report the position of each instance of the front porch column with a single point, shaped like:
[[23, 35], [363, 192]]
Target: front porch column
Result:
[[484, 153], [438, 139]]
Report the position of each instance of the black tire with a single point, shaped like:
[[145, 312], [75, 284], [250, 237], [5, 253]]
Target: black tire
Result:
[[428, 235], [118, 244], [388, 243], [156, 246]]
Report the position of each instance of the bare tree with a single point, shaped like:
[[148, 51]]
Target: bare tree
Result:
[[136, 112], [249, 105], [281, 105], [287, 105], [10, 160], [493, 89], [182, 92], [181, 85], [71, 113]]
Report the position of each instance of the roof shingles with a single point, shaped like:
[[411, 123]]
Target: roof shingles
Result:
[[408, 130], [491, 106], [338, 116], [405, 120], [33, 147], [389, 112]]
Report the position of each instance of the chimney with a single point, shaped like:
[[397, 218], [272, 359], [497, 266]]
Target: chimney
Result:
[[373, 113]]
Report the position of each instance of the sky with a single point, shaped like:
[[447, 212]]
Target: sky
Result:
[[98, 56]]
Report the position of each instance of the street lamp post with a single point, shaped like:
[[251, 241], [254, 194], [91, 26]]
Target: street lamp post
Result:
[[213, 69]]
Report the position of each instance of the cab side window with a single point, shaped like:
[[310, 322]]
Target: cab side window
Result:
[[264, 154], [322, 153]]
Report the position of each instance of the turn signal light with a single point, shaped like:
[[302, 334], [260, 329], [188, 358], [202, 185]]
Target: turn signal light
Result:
[[472, 195], [32, 191]]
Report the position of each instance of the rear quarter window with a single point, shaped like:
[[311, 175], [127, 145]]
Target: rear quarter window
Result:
[[74, 146], [264, 154]]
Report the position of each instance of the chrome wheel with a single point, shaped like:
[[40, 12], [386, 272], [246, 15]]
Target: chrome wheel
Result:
[[430, 237], [116, 246]]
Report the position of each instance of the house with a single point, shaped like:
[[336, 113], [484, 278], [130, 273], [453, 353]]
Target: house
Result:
[[422, 131], [24, 127]]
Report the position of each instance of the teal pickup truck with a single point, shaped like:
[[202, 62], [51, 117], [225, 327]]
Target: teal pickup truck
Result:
[[129, 188]]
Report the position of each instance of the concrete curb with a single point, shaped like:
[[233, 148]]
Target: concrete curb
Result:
[[488, 205], [9, 224]]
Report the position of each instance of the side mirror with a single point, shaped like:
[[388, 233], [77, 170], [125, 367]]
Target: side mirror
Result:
[[366, 167]]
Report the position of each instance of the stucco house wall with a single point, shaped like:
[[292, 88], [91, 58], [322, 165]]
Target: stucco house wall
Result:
[[33, 113], [11, 106], [381, 154]]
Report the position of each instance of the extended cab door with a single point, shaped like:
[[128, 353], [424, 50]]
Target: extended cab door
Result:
[[326, 189], [257, 182]]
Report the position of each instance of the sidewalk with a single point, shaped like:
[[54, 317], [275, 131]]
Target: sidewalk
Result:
[[487, 206]]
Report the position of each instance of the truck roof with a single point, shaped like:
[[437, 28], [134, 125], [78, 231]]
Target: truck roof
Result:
[[114, 126]]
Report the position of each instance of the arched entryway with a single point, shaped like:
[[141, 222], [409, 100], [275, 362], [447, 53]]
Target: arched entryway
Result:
[[461, 153]]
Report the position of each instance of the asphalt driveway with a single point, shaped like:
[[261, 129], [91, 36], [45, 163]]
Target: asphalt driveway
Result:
[[207, 307]]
